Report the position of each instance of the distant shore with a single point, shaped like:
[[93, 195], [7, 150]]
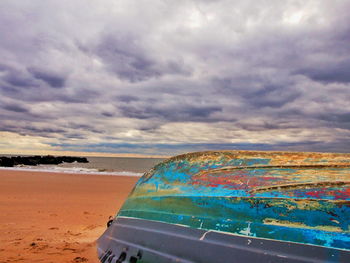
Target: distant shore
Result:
[[38, 159], [56, 217]]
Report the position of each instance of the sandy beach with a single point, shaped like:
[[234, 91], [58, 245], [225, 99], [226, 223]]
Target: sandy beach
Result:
[[53, 217]]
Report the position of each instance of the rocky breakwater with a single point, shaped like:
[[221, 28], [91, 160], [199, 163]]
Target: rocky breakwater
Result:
[[36, 160]]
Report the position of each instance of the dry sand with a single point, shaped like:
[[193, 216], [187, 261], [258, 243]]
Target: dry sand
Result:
[[52, 217]]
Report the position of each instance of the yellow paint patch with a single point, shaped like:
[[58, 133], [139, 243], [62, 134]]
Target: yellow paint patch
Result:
[[271, 221]]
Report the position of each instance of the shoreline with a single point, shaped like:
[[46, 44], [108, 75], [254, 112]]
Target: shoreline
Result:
[[56, 217]]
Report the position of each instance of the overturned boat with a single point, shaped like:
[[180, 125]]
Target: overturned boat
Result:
[[236, 206]]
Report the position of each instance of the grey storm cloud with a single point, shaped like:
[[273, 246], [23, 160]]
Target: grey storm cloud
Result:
[[51, 79], [15, 108], [127, 98], [18, 81], [126, 56], [177, 113], [338, 71], [218, 74], [272, 96]]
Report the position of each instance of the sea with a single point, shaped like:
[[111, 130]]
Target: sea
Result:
[[127, 166]]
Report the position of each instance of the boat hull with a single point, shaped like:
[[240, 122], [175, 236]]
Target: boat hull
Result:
[[236, 206]]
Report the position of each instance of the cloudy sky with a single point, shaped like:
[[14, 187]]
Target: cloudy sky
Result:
[[166, 77]]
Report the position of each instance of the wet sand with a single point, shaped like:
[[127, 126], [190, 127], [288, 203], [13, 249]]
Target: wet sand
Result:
[[53, 217]]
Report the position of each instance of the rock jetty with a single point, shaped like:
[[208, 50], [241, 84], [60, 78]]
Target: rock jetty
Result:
[[36, 160]]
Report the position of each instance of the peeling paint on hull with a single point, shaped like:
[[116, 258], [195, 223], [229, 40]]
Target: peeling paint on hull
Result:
[[302, 198]]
